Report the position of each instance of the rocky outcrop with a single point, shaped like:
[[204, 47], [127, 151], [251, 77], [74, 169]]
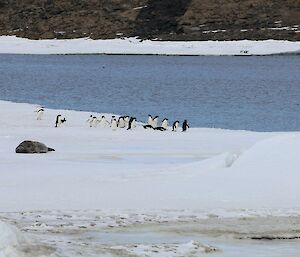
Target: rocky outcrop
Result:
[[33, 147], [165, 20]]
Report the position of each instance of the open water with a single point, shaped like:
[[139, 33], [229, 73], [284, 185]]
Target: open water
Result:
[[254, 93]]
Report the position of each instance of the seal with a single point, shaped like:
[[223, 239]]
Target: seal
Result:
[[33, 147]]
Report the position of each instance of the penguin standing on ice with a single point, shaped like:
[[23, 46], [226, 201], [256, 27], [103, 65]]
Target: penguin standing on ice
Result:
[[103, 122], [175, 126], [150, 120], [93, 122], [59, 120], [164, 124], [132, 123], [121, 122], [126, 120], [89, 119], [155, 121], [114, 123], [185, 126], [40, 114]]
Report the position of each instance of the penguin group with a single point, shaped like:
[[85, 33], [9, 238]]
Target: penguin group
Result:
[[122, 122], [153, 122]]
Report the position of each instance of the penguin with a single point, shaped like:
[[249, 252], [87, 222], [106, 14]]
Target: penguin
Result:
[[160, 128], [154, 121], [89, 119], [58, 120], [150, 120], [93, 122], [147, 126], [103, 122], [121, 122], [40, 113], [175, 126], [164, 123], [132, 123], [114, 123], [126, 120], [185, 126], [63, 120], [112, 117]]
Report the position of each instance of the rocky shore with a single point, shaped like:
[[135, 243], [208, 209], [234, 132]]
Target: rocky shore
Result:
[[152, 19]]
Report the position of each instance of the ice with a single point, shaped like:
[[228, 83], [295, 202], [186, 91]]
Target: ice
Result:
[[195, 186]]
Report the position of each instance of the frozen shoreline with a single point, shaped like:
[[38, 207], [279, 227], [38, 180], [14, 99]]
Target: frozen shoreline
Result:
[[133, 46], [183, 191]]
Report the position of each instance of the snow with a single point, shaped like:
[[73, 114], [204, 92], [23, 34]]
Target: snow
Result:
[[142, 192], [15, 45], [9, 236], [97, 168]]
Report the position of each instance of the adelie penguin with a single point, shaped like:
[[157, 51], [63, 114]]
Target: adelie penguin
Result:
[[175, 126], [93, 122], [40, 114], [160, 129], [114, 123], [164, 123], [126, 120], [89, 119], [59, 120], [147, 126], [103, 122], [132, 123], [121, 122], [155, 121], [150, 120], [185, 126]]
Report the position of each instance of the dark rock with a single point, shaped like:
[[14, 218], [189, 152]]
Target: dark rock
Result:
[[33, 147], [161, 19]]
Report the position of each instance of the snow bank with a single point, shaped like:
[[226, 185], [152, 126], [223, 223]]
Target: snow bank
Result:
[[10, 240], [14, 244], [15, 45]]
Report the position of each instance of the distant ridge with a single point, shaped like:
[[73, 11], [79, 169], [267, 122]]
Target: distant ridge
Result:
[[183, 20]]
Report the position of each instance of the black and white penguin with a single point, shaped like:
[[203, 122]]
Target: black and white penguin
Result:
[[126, 120], [175, 126], [147, 126], [93, 122], [40, 113], [103, 122], [150, 120], [155, 121], [59, 120], [121, 122], [185, 126], [160, 129], [164, 123], [114, 123], [132, 123], [89, 119]]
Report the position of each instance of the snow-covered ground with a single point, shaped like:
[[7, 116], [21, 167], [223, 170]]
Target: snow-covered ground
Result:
[[15, 45], [225, 183]]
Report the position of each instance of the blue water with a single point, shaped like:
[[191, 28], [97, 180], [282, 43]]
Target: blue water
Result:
[[253, 93]]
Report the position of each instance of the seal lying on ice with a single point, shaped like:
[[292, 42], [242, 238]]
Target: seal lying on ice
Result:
[[32, 147]]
